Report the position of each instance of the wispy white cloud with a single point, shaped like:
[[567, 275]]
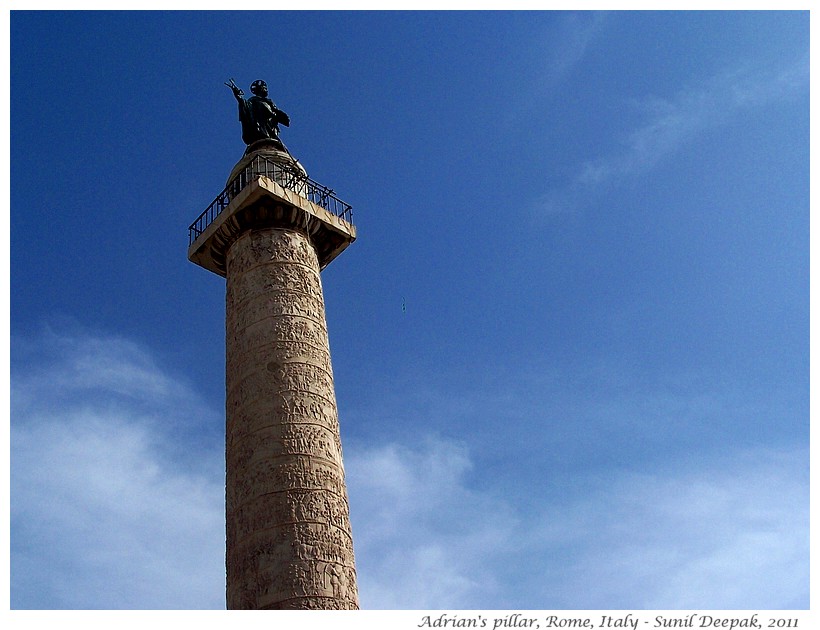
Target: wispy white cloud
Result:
[[562, 45], [669, 123], [422, 536], [729, 534], [672, 122], [103, 513], [569, 42], [79, 362]]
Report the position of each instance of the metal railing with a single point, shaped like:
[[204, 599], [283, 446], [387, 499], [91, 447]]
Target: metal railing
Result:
[[286, 175]]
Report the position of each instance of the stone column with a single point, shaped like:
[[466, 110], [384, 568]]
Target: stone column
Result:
[[269, 233], [289, 542]]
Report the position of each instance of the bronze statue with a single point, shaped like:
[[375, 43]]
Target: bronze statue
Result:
[[258, 114]]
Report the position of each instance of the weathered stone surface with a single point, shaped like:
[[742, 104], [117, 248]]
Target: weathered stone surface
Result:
[[289, 542]]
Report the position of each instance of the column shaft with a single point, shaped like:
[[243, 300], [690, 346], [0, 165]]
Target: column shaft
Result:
[[289, 543]]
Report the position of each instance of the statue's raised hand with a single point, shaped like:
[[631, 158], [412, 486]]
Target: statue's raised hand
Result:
[[237, 91]]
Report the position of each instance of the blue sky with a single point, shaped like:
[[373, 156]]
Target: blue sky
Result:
[[570, 345]]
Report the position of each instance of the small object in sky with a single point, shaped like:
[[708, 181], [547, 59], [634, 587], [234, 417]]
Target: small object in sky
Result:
[[403, 305], [258, 114]]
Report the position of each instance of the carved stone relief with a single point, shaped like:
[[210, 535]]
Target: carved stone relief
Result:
[[288, 533]]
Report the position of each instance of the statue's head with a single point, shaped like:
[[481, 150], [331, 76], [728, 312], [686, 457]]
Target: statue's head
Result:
[[259, 88]]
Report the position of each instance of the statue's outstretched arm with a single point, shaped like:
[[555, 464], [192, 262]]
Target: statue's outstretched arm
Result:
[[237, 91]]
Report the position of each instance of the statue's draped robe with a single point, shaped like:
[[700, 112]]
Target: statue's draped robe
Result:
[[260, 119]]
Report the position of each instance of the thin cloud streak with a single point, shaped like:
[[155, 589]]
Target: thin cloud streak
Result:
[[564, 45], [670, 123], [576, 32], [80, 362]]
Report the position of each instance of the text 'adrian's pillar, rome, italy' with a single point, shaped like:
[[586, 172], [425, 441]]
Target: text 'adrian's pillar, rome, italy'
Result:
[[269, 233]]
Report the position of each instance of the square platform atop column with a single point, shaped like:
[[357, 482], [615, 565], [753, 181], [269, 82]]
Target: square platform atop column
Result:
[[263, 202]]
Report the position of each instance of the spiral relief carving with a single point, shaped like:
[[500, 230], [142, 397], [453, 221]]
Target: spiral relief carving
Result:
[[289, 542]]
